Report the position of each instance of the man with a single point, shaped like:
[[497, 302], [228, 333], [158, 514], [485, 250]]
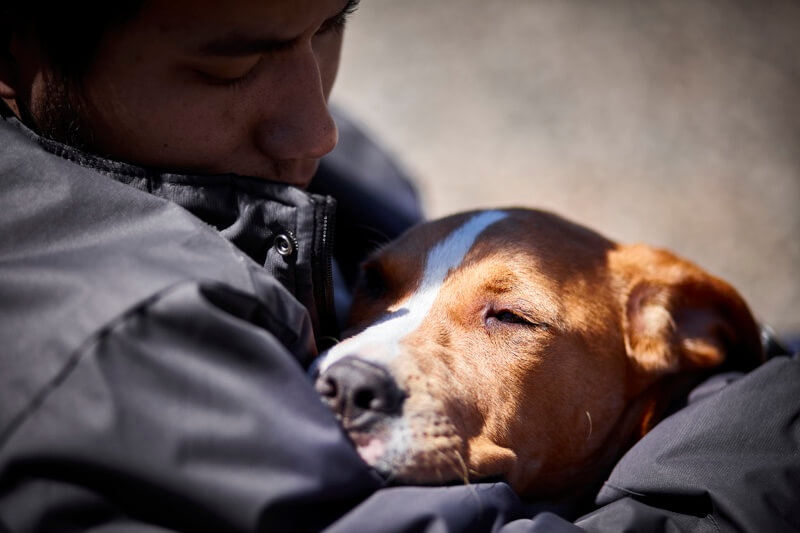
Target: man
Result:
[[165, 279]]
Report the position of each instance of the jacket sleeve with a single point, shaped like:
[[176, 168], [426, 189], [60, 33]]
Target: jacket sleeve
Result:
[[189, 413], [730, 461]]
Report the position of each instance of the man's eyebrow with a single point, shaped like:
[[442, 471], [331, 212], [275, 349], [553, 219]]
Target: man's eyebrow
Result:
[[238, 44]]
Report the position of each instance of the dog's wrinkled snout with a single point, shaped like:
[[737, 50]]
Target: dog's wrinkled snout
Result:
[[360, 393]]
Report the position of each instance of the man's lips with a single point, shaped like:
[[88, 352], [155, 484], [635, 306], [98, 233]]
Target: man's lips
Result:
[[299, 174]]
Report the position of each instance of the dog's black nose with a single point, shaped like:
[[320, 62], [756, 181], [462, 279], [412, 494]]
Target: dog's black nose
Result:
[[359, 392]]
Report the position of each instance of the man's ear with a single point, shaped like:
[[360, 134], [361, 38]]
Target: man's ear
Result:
[[678, 318]]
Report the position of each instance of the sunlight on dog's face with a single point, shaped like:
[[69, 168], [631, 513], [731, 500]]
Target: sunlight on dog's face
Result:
[[520, 346], [482, 377]]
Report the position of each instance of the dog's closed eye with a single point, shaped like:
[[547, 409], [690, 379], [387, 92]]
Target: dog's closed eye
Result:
[[495, 317], [508, 317]]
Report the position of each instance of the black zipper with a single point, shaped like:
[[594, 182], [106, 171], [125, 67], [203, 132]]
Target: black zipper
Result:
[[323, 278]]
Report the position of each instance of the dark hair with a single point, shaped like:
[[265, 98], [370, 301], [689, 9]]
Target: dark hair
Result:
[[68, 32]]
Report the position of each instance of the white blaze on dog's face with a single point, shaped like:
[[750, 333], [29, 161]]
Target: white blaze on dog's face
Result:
[[491, 344], [392, 328]]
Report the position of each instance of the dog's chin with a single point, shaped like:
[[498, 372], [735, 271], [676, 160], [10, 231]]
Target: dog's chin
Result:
[[372, 448], [379, 447], [399, 453]]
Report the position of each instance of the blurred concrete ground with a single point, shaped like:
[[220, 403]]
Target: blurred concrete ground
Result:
[[673, 122]]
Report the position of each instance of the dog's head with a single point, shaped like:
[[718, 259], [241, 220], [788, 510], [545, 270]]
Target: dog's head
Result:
[[515, 344]]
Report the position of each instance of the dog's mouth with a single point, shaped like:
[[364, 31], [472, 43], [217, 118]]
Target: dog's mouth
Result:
[[371, 435], [373, 449], [419, 448]]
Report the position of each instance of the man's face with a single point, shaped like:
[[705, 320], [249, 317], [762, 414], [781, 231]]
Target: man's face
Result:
[[214, 86]]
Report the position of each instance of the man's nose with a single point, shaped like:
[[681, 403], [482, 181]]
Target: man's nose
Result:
[[359, 393], [300, 125]]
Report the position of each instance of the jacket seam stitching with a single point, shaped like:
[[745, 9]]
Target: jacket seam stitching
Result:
[[625, 491], [713, 521], [72, 362]]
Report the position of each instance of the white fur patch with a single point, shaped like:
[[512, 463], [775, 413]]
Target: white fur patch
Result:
[[380, 342]]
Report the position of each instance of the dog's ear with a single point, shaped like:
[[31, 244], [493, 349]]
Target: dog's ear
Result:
[[678, 318]]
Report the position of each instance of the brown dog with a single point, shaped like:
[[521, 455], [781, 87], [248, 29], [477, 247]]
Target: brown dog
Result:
[[515, 344]]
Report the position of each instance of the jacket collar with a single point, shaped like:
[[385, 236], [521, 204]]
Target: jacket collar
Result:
[[258, 216]]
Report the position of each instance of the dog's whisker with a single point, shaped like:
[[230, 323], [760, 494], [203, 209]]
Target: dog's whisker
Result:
[[464, 470], [378, 238], [589, 417], [452, 464], [333, 340], [456, 463], [475, 474]]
